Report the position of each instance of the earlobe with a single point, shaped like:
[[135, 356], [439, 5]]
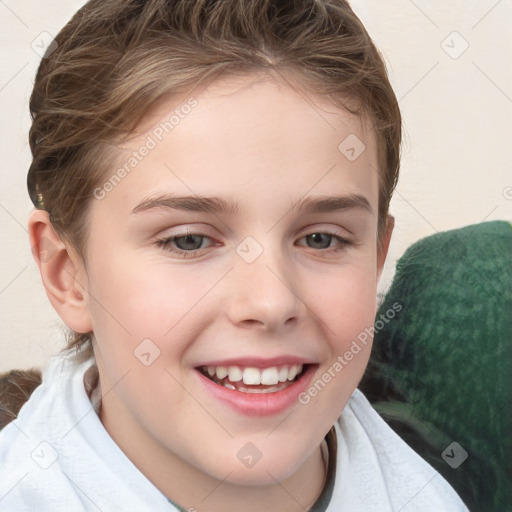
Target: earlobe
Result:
[[62, 272], [382, 248]]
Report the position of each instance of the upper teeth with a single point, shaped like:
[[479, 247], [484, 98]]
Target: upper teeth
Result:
[[254, 376]]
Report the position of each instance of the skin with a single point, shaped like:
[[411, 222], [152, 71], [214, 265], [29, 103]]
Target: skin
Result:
[[260, 142]]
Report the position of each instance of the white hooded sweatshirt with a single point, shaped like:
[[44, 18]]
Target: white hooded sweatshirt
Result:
[[57, 456]]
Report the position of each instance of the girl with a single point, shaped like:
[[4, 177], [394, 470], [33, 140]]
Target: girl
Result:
[[211, 182]]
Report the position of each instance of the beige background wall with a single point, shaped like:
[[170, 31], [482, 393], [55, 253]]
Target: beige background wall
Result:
[[450, 65]]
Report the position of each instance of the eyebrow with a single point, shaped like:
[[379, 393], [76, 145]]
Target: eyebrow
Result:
[[308, 205]]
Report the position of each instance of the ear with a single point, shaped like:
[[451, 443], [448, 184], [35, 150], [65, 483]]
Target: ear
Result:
[[383, 246], [62, 271]]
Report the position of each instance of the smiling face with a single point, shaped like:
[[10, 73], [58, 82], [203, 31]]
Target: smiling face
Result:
[[266, 269]]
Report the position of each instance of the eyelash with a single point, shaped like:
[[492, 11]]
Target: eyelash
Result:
[[166, 243]]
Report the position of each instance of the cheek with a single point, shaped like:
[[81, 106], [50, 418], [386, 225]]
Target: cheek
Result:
[[345, 300], [145, 298], [345, 304]]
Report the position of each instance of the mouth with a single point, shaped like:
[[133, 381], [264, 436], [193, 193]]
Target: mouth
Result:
[[254, 391], [255, 380]]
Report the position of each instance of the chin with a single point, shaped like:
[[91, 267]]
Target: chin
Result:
[[248, 465]]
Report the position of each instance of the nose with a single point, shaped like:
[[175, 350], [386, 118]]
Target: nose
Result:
[[264, 293]]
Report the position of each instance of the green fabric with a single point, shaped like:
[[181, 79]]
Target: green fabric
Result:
[[441, 369]]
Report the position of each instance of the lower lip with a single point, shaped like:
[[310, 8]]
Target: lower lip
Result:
[[260, 404]]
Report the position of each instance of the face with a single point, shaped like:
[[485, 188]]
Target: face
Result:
[[215, 320]]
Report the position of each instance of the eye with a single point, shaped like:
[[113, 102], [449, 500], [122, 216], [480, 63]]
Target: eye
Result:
[[186, 244], [322, 241]]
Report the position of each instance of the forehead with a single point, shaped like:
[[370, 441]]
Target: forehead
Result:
[[251, 139]]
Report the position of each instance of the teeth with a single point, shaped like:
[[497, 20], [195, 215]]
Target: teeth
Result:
[[269, 376], [293, 372], [234, 374], [251, 376], [221, 372], [283, 374], [268, 389]]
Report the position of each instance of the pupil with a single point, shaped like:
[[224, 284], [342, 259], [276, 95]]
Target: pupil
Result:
[[317, 238], [189, 240]]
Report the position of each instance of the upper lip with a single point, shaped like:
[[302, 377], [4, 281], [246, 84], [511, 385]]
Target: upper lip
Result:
[[258, 362]]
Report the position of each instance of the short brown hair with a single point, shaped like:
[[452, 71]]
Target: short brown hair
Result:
[[115, 58]]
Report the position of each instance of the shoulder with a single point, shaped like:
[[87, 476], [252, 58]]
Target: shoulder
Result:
[[384, 468], [31, 444], [57, 450]]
